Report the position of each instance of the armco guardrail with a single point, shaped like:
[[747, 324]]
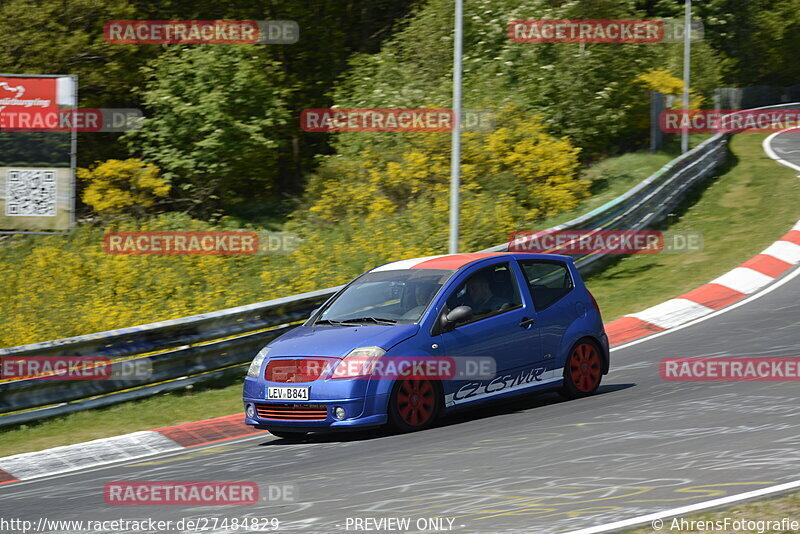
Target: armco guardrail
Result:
[[647, 204], [179, 351], [202, 347]]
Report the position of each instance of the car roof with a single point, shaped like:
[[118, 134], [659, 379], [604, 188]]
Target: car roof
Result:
[[454, 262]]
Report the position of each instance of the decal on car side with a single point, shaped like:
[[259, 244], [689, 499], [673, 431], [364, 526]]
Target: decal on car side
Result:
[[503, 383]]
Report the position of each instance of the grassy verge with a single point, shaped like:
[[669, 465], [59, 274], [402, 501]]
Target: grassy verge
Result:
[[769, 510], [752, 203], [612, 177], [162, 410]]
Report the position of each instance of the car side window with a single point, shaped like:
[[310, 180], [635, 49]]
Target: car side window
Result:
[[489, 291], [549, 281]]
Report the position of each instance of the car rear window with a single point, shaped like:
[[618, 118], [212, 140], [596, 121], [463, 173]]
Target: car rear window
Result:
[[549, 281]]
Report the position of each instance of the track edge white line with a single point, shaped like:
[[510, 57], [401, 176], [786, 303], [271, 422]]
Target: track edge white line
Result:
[[674, 512], [771, 153]]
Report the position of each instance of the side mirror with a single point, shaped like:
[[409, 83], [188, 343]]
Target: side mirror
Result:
[[457, 315]]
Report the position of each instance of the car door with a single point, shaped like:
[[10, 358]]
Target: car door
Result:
[[552, 288], [499, 328]]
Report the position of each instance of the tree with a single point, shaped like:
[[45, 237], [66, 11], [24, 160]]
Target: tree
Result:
[[58, 37], [583, 91], [776, 43], [756, 41], [215, 120]]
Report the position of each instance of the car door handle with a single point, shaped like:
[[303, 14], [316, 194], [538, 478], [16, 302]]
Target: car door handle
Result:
[[525, 322]]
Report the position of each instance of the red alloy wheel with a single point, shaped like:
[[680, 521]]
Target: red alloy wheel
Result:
[[585, 367], [416, 402]]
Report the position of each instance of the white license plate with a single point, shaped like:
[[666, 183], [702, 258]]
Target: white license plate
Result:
[[287, 393]]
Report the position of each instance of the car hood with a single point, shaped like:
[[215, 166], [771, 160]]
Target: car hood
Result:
[[337, 341]]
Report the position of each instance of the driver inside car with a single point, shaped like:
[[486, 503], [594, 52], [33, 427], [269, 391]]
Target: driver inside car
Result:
[[480, 298]]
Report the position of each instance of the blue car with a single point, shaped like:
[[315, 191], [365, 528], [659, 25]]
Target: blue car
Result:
[[408, 341]]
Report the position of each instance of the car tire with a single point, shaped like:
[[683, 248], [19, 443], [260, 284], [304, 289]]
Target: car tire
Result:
[[583, 370], [287, 434], [414, 404]]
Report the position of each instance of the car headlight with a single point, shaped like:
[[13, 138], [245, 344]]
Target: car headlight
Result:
[[255, 366], [359, 362]]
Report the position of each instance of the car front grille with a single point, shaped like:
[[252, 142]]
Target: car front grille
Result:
[[292, 412]]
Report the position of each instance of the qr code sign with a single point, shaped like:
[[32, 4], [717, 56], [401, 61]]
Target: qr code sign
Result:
[[31, 192]]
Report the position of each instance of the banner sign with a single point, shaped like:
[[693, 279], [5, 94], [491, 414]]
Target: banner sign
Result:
[[37, 172]]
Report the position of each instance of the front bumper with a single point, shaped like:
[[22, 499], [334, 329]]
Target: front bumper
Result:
[[361, 410], [354, 416]]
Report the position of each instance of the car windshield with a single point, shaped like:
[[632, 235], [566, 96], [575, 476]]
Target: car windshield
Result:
[[385, 297]]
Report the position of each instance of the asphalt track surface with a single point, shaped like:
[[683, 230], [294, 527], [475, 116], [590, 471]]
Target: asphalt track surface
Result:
[[532, 464], [787, 146]]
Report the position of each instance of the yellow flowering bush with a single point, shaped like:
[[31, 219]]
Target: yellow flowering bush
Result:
[[376, 208], [519, 159], [359, 212], [122, 186], [663, 81], [65, 285]]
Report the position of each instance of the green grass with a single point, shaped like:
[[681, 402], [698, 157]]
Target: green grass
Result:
[[772, 509], [740, 213], [162, 410], [610, 178]]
